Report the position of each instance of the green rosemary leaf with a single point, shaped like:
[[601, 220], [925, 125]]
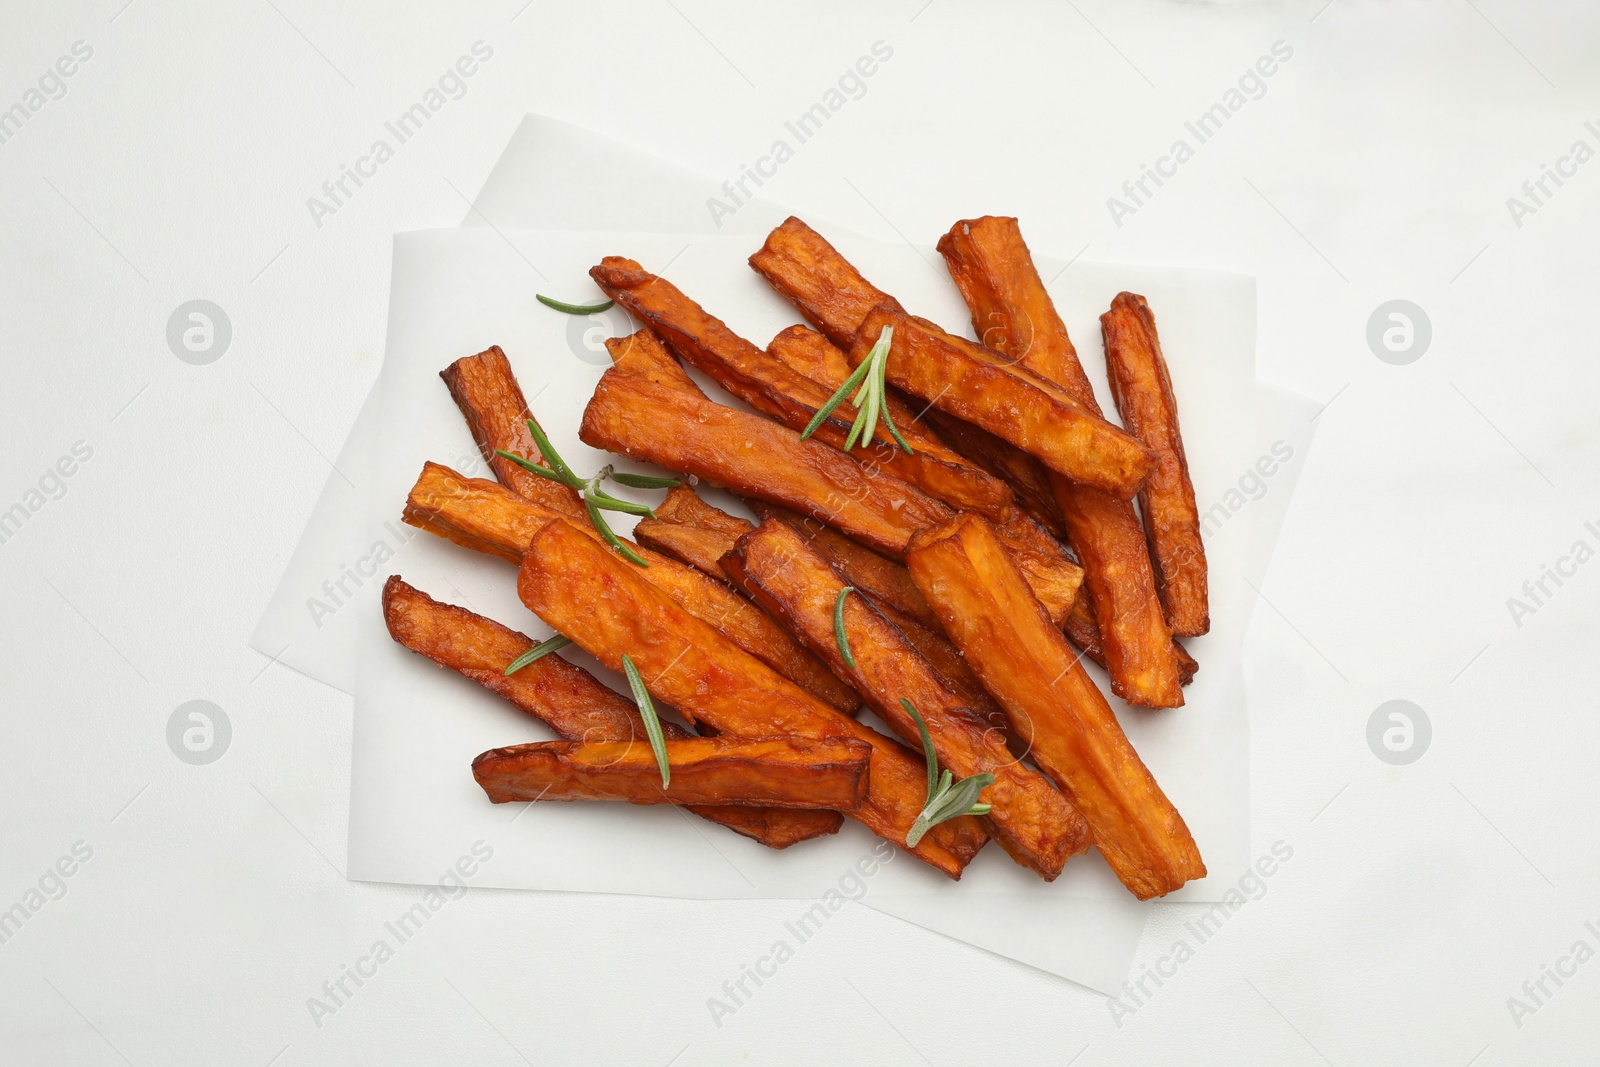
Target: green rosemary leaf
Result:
[[644, 481], [835, 400], [610, 538], [647, 711], [571, 309], [883, 395], [928, 753], [552, 457], [838, 627], [947, 798], [539, 651], [530, 466], [611, 503]]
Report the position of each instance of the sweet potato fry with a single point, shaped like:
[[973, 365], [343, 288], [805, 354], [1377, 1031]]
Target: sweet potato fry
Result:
[[646, 407], [1143, 392], [979, 385], [773, 388], [1014, 315], [486, 391], [1028, 478], [884, 580], [689, 529], [487, 517], [565, 697], [1031, 820], [599, 600], [1082, 630], [1073, 736], [775, 772], [832, 295]]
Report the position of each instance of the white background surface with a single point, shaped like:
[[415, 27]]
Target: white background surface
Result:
[[1376, 166]]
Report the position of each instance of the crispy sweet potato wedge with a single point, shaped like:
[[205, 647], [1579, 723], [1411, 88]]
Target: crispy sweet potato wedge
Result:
[[487, 517], [775, 389], [647, 408], [1073, 736], [1015, 315], [980, 386], [887, 582], [689, 529], [1143, 392], [1082, 630], [486, 391], [832, 295], [565, 697], [1032, 821], [829, 291], [1028, 478], [776, 772], [599, 600]]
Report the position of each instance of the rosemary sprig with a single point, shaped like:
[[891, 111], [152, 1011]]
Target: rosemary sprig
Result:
[[647, 711], [539, 651], [595, 499], [869, 383], [572, 309], [947, 799], [838, 627]]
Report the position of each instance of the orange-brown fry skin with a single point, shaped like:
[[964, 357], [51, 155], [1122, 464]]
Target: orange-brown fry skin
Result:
[[650, 417], [487, 517], [1014, 314], [642, 410], [802, 266], [1029, 479], [1143, 392], [776, 390], [1032, 821], [773, 772], [563, 696], [1083, 631], [982, 387], [690, 530], [882, 579], [601, 602], [486, 391], [1072, 734], [832, 295]]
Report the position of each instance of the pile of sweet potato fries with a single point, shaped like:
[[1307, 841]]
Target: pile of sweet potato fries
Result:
[[947, 527]]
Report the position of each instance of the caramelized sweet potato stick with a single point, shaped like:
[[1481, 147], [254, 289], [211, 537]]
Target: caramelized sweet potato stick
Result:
[[778, 391], [564, 697], [487, 517], [486, 391], [828, 290], [832, 295], [1072, 734], [689, 529], [1143, 392], [777, 772], [884, 580], [646, 407], [1032, 821], [1082, 630], [1015, 315], [980, 386], [592, 595], [1028, 478]]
